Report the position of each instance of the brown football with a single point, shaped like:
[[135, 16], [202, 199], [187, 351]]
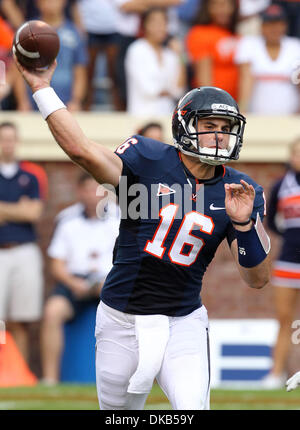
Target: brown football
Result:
[[36, 44]]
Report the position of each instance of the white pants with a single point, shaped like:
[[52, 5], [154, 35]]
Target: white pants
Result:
[[21, 283], [184, 374]]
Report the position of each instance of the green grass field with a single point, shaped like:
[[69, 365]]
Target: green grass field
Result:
[[84, 397]]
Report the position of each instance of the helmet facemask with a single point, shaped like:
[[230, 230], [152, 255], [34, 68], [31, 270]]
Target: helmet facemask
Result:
[[191, 138]]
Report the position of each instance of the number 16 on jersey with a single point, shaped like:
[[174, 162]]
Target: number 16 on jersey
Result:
[[183, 238]]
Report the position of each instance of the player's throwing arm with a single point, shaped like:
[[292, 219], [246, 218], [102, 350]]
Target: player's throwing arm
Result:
[[100, 162]]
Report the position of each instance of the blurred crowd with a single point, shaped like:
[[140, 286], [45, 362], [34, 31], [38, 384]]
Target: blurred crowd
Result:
[[140, 56]]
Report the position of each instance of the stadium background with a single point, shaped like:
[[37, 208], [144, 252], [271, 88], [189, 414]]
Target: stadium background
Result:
[[224, 293], [263, 157]]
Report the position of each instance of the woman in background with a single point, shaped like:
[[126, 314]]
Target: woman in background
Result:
[[284, 204], [211, 44], [155, 74], [267, 64]]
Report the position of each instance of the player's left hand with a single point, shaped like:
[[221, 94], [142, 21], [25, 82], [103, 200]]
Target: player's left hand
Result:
[[239, 199], [293, 382]]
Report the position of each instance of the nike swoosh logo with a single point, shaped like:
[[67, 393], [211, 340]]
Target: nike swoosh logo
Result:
[[214, 208]]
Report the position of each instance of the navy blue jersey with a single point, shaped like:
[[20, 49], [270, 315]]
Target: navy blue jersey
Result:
[[23, 183], [285, 200], [171, 227]]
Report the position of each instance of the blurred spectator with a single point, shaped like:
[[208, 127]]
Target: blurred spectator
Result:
[[266, 67], [69, 79], [292, 10], [11, 11], [99, 21], [153, 130], [249, 19], [211, 45], [19, 11], [12, 89], [284, 220], [79, 264], [128, 21], [21, 274], [155, 74]]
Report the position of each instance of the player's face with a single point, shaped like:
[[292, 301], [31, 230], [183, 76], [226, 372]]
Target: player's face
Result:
[[295, 157], [8, 143], [155, 27], [221, 11], [213, 125], [273, 31]]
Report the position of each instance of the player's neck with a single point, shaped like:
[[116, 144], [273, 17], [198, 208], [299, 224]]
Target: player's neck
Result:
[[198, 170]]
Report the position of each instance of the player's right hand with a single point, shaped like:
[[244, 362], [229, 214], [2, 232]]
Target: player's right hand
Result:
[[293, 382], [36, 79]]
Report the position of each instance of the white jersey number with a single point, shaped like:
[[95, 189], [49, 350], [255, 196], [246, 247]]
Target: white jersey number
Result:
[[184, 237]]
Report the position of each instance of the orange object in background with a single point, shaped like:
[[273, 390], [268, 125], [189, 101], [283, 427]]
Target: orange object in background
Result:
[[13, 368]]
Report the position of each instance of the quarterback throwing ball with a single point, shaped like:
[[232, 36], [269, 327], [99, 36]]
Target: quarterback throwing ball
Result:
[[151, 322]]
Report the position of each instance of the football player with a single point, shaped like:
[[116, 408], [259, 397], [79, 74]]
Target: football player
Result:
[[151, 322]]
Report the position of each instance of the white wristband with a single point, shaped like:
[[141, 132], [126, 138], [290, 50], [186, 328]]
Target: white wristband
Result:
[[47, 101]]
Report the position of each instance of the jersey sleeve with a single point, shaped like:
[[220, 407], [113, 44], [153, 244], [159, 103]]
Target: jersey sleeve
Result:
[[143, 156], [130, 158], [128, 153]]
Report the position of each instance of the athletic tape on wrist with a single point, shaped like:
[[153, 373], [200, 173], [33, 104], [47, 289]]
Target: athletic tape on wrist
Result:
[[47, 101], [253, 245]]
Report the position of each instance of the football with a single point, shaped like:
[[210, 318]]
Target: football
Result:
[[36, 44]]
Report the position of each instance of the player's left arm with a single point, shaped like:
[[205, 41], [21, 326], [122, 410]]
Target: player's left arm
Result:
[[251, 247]]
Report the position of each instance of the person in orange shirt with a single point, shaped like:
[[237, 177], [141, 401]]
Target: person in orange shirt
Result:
[[211, 44], [9, 78], [7, 35]]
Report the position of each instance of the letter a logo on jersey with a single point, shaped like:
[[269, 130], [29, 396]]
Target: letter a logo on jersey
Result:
[[164, 190]]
